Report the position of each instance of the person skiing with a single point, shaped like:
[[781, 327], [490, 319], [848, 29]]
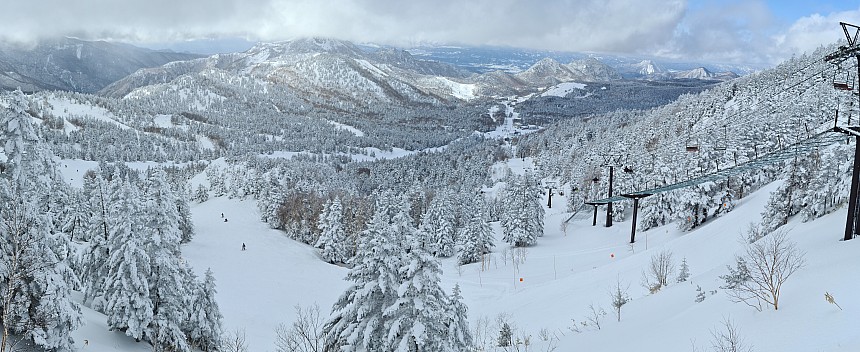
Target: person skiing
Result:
[[243, 246]]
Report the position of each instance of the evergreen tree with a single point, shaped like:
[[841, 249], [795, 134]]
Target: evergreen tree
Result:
[[333, 242], [437, 227], [506, 335], [129, 306], [828, 188], [684, 272], [459, 336], [95, 259], [522, 220], [476, 238], [357, 321], [186, 227], [416, 320], [168, 312], [205, 318], [162, 236], [35, 280], [787, 200]]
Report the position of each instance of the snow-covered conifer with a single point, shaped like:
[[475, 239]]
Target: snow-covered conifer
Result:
[[333, 242], [129, 306], [476, 238], [684, 272], [437, 227], [522, 219], [459, 336], [205, 316], [416, 320], [356, 321]]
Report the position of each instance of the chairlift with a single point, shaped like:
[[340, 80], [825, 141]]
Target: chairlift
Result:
[[692, 144], [628, 170], [692, 147], [842, 80]]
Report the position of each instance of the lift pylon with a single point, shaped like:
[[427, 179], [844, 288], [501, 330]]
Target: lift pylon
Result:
[[852, 34]]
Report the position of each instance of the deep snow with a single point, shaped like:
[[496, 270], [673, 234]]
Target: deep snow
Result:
[[571, 267]]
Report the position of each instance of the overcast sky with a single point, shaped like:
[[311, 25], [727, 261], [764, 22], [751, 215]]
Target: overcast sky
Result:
[[751, 31]]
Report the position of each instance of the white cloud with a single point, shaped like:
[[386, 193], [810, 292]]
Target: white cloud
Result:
[[712, 30], [808, 33], [599, 25]]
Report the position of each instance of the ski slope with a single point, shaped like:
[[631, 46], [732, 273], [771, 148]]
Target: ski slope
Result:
[[570, 268]]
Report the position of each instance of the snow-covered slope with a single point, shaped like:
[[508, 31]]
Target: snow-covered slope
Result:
[[74, 65], [259, 287], [316, 68], [570, 268]]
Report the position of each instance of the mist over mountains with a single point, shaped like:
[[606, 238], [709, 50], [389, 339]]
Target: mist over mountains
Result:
[[75, 65], [85, 66]]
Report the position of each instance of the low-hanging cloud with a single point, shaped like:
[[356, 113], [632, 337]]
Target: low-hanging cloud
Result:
[[598, 25], [736, 31]]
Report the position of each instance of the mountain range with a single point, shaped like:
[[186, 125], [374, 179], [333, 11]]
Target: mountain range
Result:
[[75, 65]]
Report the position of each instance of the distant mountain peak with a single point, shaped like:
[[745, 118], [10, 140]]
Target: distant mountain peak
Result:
[[648, 67]]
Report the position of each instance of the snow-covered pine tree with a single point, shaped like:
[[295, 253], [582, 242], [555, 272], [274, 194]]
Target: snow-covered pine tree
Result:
[[128, 304], [168, 296], [684, 272], [159, 220], [459, 336], [36, 280], [356, 322], [17, 134], [416, 320], [693, 204], [522, 219], [205, 316], [476, 238], [655, 211], [437, 227], [828, 188], [333, 242], [787, 200], [186, 227], [94, 261]]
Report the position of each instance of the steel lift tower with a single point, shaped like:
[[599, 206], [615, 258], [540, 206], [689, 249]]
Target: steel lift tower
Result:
[[845, 52]]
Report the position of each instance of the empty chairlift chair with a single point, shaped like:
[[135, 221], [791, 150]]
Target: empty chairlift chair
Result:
[[842, 80]]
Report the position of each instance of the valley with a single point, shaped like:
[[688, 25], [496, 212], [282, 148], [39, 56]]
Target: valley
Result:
[[372, 182]]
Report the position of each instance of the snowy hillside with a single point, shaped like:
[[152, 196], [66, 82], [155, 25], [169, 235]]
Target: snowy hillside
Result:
[[212, 204], [569, 269]]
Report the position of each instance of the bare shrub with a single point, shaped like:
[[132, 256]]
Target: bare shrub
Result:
[[234, 341], [483, 333], [728, 339], [305, 334], [759, 273], [595, 313], [658, 272]]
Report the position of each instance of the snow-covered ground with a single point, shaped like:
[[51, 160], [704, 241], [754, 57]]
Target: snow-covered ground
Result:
[[459, 90], [562, 89], [61, 106], [259, 287], [353, 130], [570, 268]]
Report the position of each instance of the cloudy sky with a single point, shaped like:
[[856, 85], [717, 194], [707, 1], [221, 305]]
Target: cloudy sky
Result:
[[743, 31]]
